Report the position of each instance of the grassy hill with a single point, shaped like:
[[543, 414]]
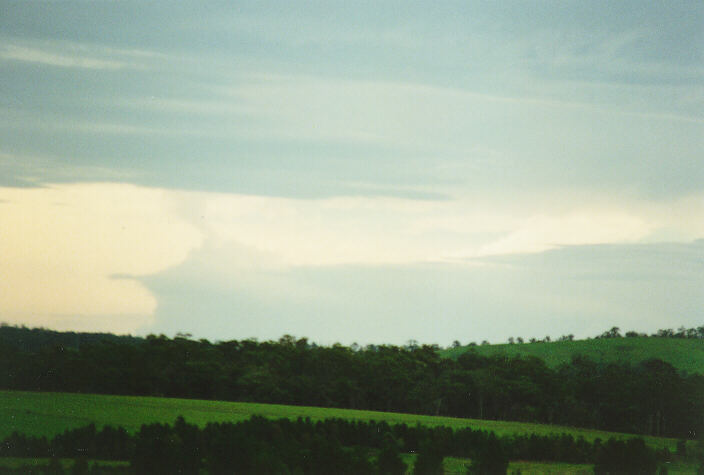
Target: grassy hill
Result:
[[682, 353], [51, 413]]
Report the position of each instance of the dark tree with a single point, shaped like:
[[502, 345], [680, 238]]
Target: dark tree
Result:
[[491, 460], [54, 467], [80, 466], [389, 461], [631, 456], [429, 460]]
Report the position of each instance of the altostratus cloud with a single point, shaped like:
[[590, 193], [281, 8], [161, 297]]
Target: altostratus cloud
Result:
[[71, 255]]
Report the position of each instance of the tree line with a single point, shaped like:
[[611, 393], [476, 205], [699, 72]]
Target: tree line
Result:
[[647, 398], [614, 332], [33, 339], [262, 446]]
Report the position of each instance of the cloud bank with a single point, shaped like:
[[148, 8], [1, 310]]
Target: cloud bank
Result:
[[69, 255], [108, 257]]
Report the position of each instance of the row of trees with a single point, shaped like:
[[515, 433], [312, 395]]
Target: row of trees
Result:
[[261, 446], [681, 332], [27, 339], [34, 339], [614, 332]]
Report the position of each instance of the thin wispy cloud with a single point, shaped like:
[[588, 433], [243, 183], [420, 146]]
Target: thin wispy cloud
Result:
[[72, 55], [55, 124], [33, 55]]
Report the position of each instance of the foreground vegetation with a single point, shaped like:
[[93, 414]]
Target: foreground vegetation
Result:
[[450, 466], [650, 397], [260, 445]]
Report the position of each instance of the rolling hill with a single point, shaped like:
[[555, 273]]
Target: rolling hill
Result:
[[47, 414], [685, 354]]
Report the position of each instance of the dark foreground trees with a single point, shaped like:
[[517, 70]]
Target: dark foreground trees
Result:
[[493, 459], [389, 462], [262, 446], [630, 456], [429, 460]]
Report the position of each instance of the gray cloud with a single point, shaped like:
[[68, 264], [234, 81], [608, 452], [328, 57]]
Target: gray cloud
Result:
[[581, 290], [564, 95]]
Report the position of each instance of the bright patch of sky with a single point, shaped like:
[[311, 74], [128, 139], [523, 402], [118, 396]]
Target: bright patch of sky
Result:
[[352, 170]]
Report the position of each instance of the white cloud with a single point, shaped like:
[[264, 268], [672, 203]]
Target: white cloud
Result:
[[34, 55], [382, 230], [74, 254], [63, 249], [582, 226], [76, 55]]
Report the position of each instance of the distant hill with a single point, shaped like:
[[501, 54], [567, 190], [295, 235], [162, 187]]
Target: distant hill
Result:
[[685, 354]]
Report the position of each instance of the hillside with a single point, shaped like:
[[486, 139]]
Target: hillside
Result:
[[410, 379], [685, 354], [47, 414]]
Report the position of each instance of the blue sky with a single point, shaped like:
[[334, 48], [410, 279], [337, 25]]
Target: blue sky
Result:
[[352, 171]]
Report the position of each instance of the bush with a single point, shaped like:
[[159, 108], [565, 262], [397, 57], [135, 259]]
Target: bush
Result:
[[631, 456], [429, 461]]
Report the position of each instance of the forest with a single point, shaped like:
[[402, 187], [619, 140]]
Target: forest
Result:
[[649, 398]]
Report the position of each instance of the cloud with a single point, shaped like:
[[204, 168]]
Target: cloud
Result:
[[63, 247], [381, 230], [33, 170], [539, 139], [270, 133], [539, 233], [83, 254], [34, 55], [73, 55], [581, 290]]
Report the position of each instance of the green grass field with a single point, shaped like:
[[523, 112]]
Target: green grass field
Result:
[[51, 413], [683, 354]]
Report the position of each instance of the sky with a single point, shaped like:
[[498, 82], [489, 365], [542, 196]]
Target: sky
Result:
[[370, 172]]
